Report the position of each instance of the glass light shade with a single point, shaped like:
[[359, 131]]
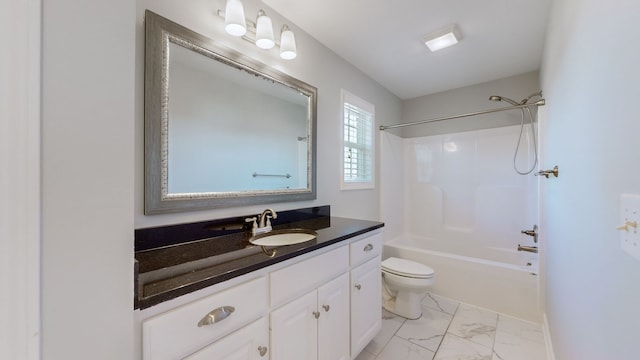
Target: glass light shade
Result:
[[264, 31], [287, 44], [235, 23]]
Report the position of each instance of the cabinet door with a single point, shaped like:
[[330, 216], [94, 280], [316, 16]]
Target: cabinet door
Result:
[[333, 323], [294, 330], [366, 304], [248, 343]]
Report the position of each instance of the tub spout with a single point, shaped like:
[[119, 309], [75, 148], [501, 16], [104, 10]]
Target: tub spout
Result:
[[533, 249]]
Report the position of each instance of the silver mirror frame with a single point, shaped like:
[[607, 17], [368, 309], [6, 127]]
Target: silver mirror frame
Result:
[[160, 32]]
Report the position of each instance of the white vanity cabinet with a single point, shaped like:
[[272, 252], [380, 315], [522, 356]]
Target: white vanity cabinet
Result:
[[314, 326], [333, 323], [324, 305], [294, 331], [366, 304], [366, 298]]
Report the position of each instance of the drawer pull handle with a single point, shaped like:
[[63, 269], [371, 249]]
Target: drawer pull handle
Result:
[[369, 247], [316, 314], [216, 315], [326, 308], [358, 286], [262, 350]]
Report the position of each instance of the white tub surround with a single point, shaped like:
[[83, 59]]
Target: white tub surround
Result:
[[463, 210]]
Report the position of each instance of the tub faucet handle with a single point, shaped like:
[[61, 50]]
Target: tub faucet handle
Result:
[[533, 232]]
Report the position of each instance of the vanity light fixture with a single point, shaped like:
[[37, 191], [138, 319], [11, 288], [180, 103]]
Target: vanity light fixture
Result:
[[259, 32], [443, 38], [264, 31], [235, 23], [287, 44]]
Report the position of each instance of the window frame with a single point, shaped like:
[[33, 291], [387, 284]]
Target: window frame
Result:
[[347, 97]]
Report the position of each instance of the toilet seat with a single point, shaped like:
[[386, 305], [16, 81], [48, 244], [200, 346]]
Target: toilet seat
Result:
[[406, 268]]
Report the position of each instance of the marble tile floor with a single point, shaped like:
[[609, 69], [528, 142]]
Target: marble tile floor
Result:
[[449, 330]]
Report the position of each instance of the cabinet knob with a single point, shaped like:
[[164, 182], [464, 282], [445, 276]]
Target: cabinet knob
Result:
[[216, 315], [326, 308], [262, 350], [358, 286], [316, 314], [369, 247]]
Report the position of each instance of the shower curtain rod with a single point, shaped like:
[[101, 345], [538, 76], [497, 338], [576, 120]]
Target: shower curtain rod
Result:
[[537, 103]]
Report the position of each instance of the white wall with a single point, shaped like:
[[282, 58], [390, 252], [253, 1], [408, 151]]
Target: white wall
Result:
[[315, 65], [20, 64], [591, 79], [87, 179]]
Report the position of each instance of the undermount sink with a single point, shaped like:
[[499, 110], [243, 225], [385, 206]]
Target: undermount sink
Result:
[[283, 237]]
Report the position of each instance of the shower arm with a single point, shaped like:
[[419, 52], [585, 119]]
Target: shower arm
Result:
[[540, 102]]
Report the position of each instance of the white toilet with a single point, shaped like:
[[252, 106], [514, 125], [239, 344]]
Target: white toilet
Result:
[[404, 283]]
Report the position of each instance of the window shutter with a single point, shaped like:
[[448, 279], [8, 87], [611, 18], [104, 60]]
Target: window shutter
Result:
[[357, 142]]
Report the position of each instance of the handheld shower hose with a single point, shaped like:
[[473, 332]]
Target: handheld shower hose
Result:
[[533, 130]]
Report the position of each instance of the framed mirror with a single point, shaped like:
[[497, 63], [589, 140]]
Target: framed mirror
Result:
[[222, 129]]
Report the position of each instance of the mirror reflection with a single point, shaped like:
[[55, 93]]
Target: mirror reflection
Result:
[[242, 134], [220, 128]]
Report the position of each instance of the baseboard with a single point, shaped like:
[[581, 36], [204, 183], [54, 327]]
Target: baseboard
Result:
[[547, 338]]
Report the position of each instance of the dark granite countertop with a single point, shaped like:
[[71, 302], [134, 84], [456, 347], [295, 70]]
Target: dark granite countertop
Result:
[[175, 268]]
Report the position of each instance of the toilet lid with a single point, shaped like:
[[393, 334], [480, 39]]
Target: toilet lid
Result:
[[405, 267]]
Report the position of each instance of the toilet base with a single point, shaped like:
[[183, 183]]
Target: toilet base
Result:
[[407, 304]]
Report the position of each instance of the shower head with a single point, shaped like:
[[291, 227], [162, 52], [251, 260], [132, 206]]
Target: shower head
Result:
[[538, 94], [513, 102], [502, 98]]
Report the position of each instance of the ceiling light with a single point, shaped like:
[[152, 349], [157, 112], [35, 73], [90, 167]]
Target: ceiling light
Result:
[[287, 44], [234, 19], [443, 38], [264, 31]]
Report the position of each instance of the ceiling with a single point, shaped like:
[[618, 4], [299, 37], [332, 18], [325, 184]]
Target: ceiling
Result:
[[384, 38]]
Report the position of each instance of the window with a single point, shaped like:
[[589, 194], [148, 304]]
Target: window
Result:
[[357, 143]]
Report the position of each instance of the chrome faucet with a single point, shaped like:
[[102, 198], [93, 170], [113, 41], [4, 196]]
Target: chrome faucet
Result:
[[265, 219], [262, 222]]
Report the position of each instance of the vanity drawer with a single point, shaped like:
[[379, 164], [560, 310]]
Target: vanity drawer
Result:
[[177, 332], [250, 342], [365, 249], [300, 278]]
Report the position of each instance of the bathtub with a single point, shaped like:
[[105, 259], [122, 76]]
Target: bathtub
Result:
[[499, 279]]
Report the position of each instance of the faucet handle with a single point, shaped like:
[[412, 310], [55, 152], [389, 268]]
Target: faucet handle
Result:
[[255, 224], [533, 232]]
